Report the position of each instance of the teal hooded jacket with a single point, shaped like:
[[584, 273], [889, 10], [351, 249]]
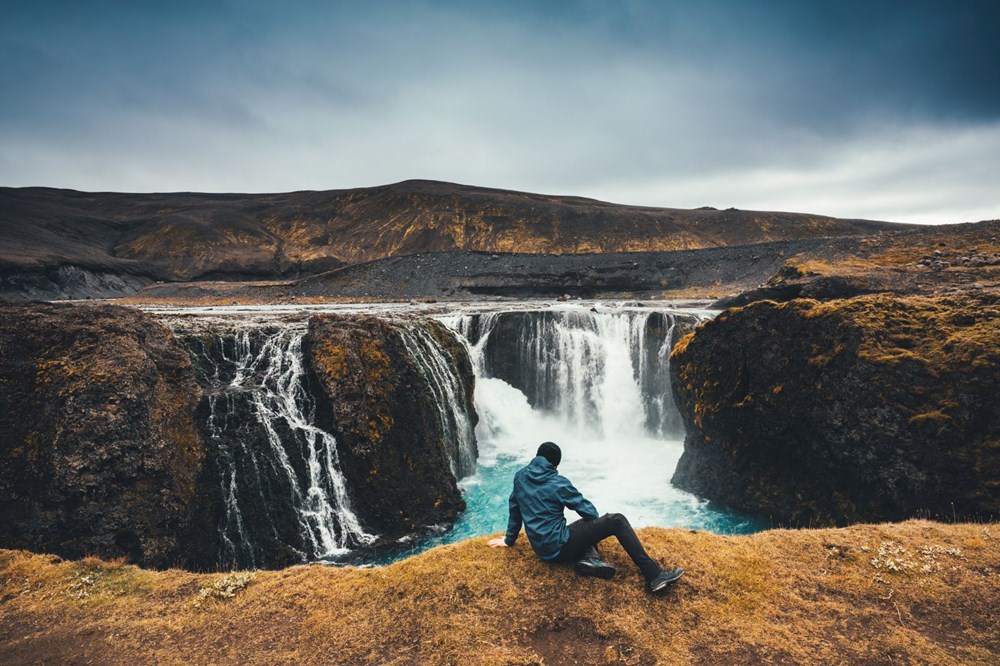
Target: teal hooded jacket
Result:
[[540, 493]]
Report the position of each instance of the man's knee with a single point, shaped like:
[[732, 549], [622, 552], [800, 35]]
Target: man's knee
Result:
[[617, 519]]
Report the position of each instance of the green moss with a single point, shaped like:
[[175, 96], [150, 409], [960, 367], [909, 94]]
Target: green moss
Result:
[[94, 581]]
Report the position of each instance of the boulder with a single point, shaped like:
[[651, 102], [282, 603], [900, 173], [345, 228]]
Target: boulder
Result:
[[391, 442], [870, 408], [99, 450]]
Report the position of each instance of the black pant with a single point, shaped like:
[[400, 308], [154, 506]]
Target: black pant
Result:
[[585, 534]]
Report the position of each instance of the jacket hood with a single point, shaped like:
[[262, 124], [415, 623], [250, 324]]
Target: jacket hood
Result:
[[540, 470]]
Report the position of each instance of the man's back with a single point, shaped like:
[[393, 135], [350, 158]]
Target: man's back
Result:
[[538, 498]]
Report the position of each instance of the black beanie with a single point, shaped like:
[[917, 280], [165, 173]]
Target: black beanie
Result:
[[550, 451]]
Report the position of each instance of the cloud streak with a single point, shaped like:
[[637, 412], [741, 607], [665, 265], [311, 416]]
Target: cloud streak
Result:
[[887, 112]]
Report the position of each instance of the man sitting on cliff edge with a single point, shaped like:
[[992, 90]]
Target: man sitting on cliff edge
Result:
[[539, 496]]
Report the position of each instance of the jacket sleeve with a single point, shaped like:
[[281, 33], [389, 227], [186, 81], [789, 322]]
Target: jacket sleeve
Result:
[[572, 498], [513, 521]]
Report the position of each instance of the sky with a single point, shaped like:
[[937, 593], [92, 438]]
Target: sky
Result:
[[879, 110]]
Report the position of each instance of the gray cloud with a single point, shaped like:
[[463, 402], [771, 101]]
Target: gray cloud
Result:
[[877, 110]]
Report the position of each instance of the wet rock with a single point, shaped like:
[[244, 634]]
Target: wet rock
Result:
[[392, 446], [872, 408]]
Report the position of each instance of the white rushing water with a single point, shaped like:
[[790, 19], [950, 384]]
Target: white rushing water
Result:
[[448, 390]]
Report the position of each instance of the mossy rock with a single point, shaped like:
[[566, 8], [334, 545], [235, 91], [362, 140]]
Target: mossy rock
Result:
[[871, 408], [392, 447], [100, 453]]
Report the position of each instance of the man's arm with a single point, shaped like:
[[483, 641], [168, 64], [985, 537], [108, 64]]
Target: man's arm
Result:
[[513, 521], [513, 525], [572, 498]]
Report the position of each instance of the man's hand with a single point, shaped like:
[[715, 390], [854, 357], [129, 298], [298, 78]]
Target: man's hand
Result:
[[499, 542]]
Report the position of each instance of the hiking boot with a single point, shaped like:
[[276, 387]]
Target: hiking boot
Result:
[[666, 578], [591, 566]]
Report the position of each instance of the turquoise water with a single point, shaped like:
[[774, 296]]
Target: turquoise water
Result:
[[622, 473]]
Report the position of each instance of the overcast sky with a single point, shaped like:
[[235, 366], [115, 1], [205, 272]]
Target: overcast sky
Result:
[[884, 110]]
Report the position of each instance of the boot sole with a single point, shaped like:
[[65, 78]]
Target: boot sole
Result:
[[605, 572]]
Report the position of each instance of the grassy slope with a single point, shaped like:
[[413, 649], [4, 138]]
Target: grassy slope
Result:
[[915, 592], [891, 261]]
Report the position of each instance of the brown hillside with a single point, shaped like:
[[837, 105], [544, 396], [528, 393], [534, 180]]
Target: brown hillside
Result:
[[182, 236], [910, 593]]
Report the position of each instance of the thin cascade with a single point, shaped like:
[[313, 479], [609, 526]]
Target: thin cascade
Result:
[[474, 330], [663, 414], [449, 394], [261, 374]]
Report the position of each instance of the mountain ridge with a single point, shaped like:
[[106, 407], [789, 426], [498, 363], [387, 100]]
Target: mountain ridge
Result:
[[184, 236]]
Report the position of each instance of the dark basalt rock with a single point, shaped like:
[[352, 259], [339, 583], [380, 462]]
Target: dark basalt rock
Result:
[[871, 408], [241, 463], [392, 448], [99, 450]]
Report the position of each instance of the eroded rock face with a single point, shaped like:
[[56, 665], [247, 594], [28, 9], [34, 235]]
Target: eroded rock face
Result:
[[68, 282], [392, 446], [872, 408], [99, 449]]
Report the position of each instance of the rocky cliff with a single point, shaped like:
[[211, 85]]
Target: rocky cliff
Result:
[[216, 449], [394, 443], [99, 449], [873, 408]]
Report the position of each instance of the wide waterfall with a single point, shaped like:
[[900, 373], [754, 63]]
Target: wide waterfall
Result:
[[594, 378], [606, 373]]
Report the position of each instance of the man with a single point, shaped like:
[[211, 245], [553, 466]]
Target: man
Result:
[[540, 493]]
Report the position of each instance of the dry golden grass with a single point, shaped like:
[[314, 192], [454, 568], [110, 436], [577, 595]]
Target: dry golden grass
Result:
[[915, 592], [888, 256]]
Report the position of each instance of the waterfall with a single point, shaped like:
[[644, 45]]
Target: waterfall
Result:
[[273, 460], [595, 379], [606, 373]]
